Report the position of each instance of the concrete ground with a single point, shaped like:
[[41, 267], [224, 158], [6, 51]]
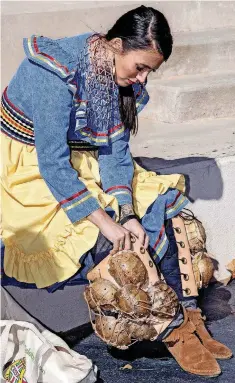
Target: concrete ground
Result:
[[150, 361], [208, 138]]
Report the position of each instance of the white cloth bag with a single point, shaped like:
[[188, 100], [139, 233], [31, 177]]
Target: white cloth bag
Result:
[[23, 341]]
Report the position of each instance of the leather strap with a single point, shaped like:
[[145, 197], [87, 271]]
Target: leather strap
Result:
[[185, 261]]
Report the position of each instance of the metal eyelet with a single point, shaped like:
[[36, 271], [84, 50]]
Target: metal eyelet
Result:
[[150, 264], [178, 230], [182, 244], [183, 260], [187, 291], [133, 240], [186, 277], [142, 250]]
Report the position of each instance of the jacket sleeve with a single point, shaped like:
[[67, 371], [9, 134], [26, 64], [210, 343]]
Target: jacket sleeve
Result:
[[117, 169], [51, 105]]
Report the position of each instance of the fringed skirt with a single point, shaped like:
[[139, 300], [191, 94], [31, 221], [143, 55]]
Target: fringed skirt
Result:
[[42, 246]]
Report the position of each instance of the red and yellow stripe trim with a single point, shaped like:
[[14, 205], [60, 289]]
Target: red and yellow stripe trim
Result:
[[159, 237], [159, 249], [78, 194], [77, 203], [162, 238], [102, 137], [118, 187], [49, 60], [10, 107], [179, 200], [7, 117], [73, 197]]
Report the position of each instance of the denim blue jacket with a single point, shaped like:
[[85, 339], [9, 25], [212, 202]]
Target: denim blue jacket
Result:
[[42, 94]]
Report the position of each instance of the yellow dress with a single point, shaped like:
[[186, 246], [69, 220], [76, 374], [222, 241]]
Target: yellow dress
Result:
[[42, 246]]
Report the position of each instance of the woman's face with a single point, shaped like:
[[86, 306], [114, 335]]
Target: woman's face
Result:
[[134, 66]]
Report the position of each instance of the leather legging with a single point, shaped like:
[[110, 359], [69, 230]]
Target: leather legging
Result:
[[169, 267]]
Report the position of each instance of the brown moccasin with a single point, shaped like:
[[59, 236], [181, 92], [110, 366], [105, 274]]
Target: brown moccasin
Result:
[[217, 349], [189, 352]]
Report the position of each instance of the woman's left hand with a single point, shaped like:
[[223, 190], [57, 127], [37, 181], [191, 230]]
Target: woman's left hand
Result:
[[137, 229]]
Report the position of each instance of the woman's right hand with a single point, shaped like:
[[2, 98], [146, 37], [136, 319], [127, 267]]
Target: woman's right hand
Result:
[[115, 233]]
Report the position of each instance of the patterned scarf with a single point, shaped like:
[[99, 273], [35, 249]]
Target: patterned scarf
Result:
[[99, 110]]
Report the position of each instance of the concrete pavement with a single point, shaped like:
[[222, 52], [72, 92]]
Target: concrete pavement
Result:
[[151, 362]]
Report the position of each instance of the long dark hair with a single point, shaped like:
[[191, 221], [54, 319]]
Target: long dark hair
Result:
[[140, 28]]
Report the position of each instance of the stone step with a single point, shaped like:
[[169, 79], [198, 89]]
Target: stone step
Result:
[[200, 52], [196, 15], [57, 19], [53, 19], [182, 15], [185, 98], [208, 138]]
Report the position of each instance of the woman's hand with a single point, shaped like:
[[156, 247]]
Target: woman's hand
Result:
[[137, 229], [115, 233]]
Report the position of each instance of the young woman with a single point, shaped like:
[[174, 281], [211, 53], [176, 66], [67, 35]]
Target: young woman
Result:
[[70, 189]]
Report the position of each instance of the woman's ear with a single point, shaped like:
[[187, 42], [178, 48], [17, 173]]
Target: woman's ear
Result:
[[117, 44]]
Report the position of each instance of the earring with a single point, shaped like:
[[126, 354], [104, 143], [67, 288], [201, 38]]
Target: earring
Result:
[[114, 69]]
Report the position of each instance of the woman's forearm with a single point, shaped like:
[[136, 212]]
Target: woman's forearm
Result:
[[98, 217]]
